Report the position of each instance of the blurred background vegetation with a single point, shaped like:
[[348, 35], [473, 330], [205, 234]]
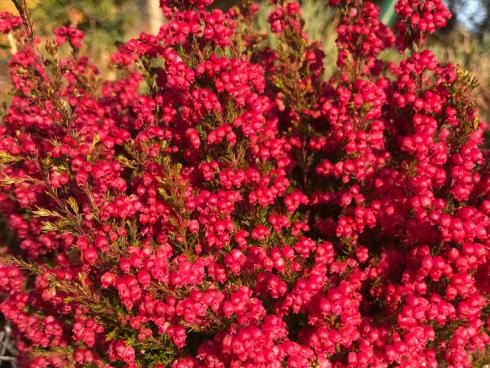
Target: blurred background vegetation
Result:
[[466, 39]]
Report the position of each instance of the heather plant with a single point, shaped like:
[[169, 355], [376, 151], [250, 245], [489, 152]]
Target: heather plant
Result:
[[222, 204], [320, 23]]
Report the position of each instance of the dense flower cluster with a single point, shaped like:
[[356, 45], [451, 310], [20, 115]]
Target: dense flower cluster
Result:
[[9, 22], [220, 204]]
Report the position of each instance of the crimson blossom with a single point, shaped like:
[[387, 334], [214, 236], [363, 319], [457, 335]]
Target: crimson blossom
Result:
[[220, 203]]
